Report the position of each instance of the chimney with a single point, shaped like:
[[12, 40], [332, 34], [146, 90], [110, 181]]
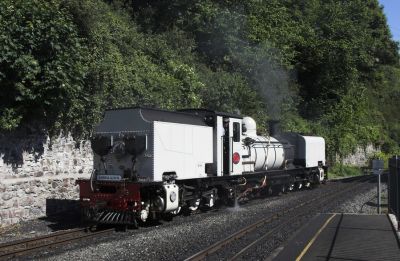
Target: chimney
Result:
[[274, 128]]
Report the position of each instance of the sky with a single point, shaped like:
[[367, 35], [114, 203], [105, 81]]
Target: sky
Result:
[[391, 8]]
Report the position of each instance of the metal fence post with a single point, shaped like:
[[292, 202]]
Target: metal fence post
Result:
[[377, 166], [397, 185], [379, 193], [389, 181], [394, 187]]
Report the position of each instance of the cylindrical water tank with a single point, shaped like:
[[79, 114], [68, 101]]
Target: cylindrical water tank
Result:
[[264, 152]]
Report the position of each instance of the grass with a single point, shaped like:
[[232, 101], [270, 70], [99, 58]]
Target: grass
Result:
[[341, 171]]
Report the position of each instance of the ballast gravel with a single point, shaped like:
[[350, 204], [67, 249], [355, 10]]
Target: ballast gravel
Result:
[[365, 203], [180, 238], [39, 227], [185, 235]]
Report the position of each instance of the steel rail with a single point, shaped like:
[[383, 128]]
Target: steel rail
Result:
[[201, 255], [24, 246]]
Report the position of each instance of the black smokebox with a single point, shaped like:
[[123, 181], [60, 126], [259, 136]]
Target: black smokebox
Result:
[[274, 128]]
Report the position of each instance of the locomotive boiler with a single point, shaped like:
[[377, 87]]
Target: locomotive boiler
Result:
[[151, 163]]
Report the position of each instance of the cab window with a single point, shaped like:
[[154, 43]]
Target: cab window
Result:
[[236, 131]]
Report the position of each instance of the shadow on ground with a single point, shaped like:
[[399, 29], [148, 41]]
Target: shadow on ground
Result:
[[63, 214]]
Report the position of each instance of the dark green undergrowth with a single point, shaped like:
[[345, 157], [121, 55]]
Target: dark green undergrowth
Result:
[[341, 171]]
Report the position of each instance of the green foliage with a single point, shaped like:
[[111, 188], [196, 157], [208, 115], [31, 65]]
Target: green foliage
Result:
[[130, 68], [292, 122], [384, 93], [335, 53], [335, 47], [383, 156], [272, 22], [9, 119], [322, 67], [349, 124], [341, 171], [42, 64]]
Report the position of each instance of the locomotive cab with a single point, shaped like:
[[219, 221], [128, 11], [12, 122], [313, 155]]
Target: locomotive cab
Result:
[[228, 146]]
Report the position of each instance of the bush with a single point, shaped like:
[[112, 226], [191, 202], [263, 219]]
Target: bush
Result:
[[382, 156], [42, 64], [340, 170]]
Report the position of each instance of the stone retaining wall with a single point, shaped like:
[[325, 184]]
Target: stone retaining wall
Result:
[[34, 168], [360, 156]]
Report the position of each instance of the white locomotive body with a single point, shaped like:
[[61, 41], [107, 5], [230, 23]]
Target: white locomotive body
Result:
[[155, 161]]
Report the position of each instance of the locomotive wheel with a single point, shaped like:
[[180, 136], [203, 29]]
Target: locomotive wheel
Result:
[[134, 224], [168, 216], [278, 190], [186, 211], [317, 180], [177, 211], [270, 191], [194, 204], [283, 189], [299, 185]]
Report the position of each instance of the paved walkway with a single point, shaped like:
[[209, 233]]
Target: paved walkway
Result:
[[344, 237]]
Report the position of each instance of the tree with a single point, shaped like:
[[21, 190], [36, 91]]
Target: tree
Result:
[[42, 64]]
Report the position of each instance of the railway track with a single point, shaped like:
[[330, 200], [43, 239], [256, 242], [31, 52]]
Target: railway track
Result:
[[283, 214], [25, 246]]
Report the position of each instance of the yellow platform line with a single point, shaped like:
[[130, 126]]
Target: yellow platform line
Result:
[[314, 238]]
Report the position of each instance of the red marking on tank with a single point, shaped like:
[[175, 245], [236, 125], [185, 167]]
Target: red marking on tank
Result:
[[236, 158]]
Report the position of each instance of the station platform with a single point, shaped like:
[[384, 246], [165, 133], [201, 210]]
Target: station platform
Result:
[[344, 237]]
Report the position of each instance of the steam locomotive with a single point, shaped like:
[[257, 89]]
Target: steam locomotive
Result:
[[151, 163]]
